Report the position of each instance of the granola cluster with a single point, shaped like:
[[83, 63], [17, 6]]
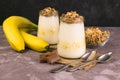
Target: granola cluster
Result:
[[48, 11], [95, 36], [71, 17]]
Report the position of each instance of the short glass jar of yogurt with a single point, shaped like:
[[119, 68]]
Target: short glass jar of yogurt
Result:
[[48, 25], [71, 42]]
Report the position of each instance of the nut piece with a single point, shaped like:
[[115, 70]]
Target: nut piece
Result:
[[53, 58], [43, 57], [93, 56], [48, 11], [50, 57], [71, 17]]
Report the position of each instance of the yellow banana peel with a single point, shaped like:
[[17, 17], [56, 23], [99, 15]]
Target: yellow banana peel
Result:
[[33, 42], [11, 27]]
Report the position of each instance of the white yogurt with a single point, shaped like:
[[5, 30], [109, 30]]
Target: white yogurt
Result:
[[48, 28], [71, 40]]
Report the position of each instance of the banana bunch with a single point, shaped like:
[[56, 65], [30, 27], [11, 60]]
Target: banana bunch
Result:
[[16, 30]]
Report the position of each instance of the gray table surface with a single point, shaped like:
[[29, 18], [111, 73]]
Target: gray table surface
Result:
[[26, 66]]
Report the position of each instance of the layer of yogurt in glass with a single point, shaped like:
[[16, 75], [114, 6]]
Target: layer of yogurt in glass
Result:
[[48, 26], [71, 39]]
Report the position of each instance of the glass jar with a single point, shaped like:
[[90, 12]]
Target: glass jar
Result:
[[48, 25], [71, 42]]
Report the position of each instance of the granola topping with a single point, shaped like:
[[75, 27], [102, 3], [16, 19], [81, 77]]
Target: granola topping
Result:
[[48, 11], [95, 36], [71, 17]]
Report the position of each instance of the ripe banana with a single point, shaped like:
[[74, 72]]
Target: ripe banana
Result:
[[11, 27], [34, 42]]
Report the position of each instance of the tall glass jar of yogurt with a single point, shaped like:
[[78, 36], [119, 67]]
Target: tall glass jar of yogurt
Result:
[[48, 25], [71, 42]]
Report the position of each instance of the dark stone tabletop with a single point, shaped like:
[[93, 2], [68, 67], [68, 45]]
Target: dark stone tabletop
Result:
[[26, 66]]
